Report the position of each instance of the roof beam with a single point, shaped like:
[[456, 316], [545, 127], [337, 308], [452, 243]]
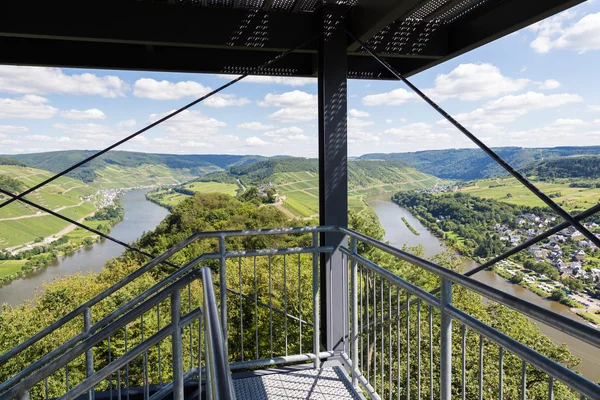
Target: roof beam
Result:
[[493, 21], [369, 17], [157, 24], [113, 56]]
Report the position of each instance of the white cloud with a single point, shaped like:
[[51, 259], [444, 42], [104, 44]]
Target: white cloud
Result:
[[593, 107], [289, 131], [474, 82], [358, 114], [29, 107], [89, 131], [41, 80], [357, 123], [256, 142], [189, 124], [509, 108], [550, 84], [225, 100], [126, 124], [296, 98], [92, 113], [582, 36], [393, 98], [255, 126], [148, 88], [419, 132], [298, 106], [277, 80], [388, 121], [13, 129]]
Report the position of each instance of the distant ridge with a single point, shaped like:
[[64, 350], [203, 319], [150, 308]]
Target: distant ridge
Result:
[[56, 161], [468, 164]]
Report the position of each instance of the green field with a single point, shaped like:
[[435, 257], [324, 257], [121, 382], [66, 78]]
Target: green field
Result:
[[169, 198], [10, 267], [301, 190], [593, 318], [20, 223], [572, 199]]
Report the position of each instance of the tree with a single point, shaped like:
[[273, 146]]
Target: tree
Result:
[[517, 277], [558, 295]]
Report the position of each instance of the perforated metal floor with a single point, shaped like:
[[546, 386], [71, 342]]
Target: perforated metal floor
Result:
[[328, 383]]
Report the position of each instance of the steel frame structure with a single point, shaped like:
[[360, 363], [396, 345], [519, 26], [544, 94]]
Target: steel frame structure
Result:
[[341, 43], [372, 316]]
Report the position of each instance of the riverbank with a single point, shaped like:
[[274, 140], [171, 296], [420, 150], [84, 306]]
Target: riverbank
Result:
[[398, 235], [140, 216], [32, 257]]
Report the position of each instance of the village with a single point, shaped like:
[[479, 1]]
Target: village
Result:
[[568, 251]]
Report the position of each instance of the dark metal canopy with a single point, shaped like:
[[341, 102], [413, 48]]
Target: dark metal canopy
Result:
[[233, 36]]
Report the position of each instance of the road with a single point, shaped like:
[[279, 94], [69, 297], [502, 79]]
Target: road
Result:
[[40, 214]]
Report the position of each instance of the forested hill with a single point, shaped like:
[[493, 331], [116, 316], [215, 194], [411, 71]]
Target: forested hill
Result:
[[469, 164], [566, 167], [362, 173], [57, 161]]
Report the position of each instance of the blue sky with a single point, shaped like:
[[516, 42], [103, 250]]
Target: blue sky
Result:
[[535, 88]]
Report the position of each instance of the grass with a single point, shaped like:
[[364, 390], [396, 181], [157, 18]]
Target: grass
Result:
[[144, 175], [593, 318], [571, 198], [169, 199], [212, 187], [9, 267], [410, 227]]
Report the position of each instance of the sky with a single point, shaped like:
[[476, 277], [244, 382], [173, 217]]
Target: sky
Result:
[[534, 88]]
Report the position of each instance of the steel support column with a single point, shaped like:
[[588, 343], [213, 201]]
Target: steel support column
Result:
[[333, 174]]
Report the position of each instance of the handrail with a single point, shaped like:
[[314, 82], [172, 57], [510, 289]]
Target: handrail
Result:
[[219, 384], [89, 342], [567, 325], [96, 299], [147, 267]]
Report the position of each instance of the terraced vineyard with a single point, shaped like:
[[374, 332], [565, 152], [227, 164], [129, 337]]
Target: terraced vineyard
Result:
[[114, 176], [20, 223], [301, 190]]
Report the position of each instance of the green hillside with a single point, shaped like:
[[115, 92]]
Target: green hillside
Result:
[[20, 223], [469, 164], [566, 167], [184, 165], [297, 180]]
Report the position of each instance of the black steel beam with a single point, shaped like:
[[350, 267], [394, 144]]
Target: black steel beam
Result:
[[493, 21], [368, 17], [333, 173], [73, 54], [157, 24]]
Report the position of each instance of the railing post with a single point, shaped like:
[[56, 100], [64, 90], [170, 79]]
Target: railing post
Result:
[[177, 350], [316, 314], [354, 248], [223, 292], [446, 338], [89, 355]]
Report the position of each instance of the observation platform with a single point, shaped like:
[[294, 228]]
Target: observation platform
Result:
[[330, 382]]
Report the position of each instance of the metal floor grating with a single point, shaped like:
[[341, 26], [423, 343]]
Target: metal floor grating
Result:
[[328, 383]]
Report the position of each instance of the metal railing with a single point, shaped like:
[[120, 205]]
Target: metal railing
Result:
[[269, 315], [385, 313]]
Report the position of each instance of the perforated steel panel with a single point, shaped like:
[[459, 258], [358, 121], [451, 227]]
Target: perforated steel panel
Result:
[[328, 383]]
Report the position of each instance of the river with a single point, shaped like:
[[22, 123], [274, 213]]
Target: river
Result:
[[141, 216], [398, 235]]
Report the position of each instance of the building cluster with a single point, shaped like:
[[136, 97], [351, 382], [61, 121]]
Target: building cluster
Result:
[[262, 190], [105, 197], [569, 263]]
